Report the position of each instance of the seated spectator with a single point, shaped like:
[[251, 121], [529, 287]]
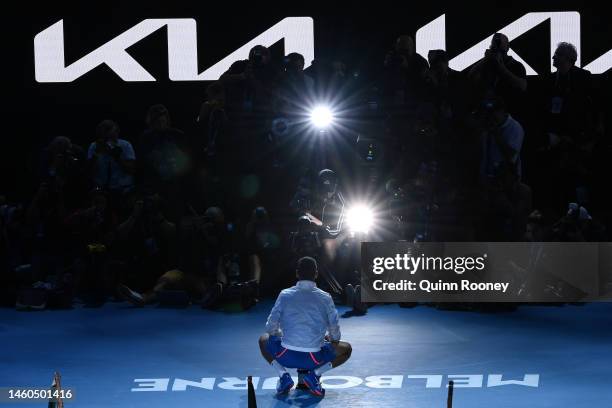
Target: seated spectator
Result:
[[499, 75], [112, 159]]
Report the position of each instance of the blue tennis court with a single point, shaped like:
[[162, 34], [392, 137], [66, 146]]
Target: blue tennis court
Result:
[[155, 357]]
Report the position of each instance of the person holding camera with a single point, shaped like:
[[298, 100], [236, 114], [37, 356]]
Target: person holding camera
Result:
[[62, 166], [295, 86], [250, 86], [250, 83], [112, 159], [305, 240], [321, 202], [405, 71], [147, 241], [200, 270], [507, 201], [166, 160], [92, 233], [444, 86], [212, 121], [262, 247], [497, 74]]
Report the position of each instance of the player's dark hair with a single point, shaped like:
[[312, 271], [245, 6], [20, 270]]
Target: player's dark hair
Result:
[[307, 268]]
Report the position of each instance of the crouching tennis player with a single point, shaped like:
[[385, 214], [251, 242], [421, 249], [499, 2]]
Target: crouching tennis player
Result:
[[296, 333]]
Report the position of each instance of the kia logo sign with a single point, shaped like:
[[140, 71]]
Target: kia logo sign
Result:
[[182, 50], [298, 35]]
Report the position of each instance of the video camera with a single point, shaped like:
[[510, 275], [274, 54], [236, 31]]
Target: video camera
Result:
[[305, 241]]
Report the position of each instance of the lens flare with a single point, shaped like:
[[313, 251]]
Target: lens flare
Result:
[[360, 218], [321, 117]]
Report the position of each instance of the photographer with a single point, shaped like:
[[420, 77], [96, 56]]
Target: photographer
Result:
[[112, 158], [573, 126], [322, 202], [507, 201], [405, 71], [250, 87], [262, 249], [166, 159], [295, 87], [45, 230], [195, 269], [305, 241], [202, 268], [577, 226], [62, 166], [204, 241], [250, 83], [147, 241], [499, 75], [92, 235], [11, 248], [212, 120], [444, 86]]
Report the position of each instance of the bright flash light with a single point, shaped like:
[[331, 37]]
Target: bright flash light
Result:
[[360, 218], [321, 117]]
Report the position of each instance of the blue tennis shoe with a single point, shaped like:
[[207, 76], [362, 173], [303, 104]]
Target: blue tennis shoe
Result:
[[285, 383]]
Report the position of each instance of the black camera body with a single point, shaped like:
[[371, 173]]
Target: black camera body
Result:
[[306, 243], [116, 152], [395, 59], [257, 57]]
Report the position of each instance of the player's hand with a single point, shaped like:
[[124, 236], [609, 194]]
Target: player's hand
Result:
[[328, 339]]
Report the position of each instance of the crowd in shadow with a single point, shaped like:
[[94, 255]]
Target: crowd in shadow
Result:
[[220, 214]]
